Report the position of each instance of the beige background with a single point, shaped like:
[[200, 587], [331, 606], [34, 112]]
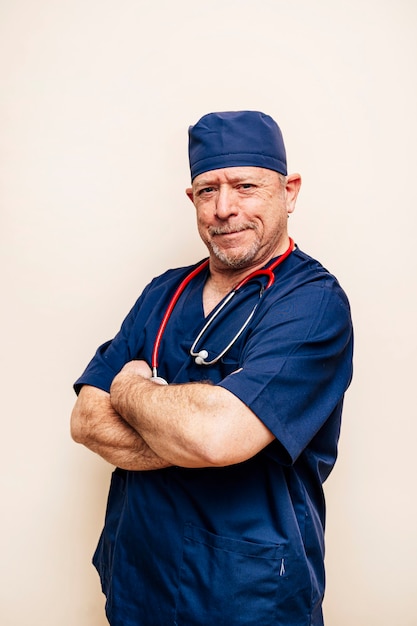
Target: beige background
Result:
[[96, 97]]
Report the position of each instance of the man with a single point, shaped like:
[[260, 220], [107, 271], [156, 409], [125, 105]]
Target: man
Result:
[[216, 511]]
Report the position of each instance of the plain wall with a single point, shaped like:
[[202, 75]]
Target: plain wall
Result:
[[95, 101]]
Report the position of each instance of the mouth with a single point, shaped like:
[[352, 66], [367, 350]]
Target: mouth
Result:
[[229, 235], [226, 231]]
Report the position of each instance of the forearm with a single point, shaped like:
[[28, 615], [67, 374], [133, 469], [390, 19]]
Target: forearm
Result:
[[153, 412], [96, 425], [191, 425]]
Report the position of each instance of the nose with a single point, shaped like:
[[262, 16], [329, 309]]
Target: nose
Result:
[[226, 204]]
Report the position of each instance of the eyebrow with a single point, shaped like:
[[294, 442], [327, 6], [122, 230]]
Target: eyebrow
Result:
[[208, 182]]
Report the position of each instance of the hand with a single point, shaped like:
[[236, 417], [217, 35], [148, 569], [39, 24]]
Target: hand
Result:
[[138, 368], [132, 373]]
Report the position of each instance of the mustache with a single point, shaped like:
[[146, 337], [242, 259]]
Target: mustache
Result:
[[227, 229]]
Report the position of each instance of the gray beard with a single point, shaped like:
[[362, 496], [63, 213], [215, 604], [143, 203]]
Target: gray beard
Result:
[[236, 261], [231, 260]]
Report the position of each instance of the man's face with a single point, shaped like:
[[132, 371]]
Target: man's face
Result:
[[242, 214]]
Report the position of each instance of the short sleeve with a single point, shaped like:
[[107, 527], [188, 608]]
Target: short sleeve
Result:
[[297, 364]]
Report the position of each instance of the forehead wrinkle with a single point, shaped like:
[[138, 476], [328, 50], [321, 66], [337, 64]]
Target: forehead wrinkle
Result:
[[233, 175]]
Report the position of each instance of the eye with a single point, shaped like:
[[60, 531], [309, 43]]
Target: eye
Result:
[[205, 191], [244, 186]]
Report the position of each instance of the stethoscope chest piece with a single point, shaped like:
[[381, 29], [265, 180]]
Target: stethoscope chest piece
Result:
[[158, 380]]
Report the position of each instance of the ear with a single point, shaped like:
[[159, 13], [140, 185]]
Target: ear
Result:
[[190, 194], [292, 188]]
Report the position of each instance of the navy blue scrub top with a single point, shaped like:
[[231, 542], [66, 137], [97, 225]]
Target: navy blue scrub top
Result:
[[241, 544]]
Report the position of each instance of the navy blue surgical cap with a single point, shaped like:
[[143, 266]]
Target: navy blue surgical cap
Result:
[[235, 139]]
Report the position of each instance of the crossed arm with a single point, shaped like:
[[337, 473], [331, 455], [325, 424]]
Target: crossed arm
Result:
[[144, 426]]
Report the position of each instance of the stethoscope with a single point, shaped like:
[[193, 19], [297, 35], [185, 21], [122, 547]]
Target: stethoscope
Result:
[[201, 356]]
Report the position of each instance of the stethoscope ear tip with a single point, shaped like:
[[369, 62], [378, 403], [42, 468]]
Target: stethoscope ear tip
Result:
[[201, 356]]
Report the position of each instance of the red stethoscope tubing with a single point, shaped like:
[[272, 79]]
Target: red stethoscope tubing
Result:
[[169, 310], [263, 272]]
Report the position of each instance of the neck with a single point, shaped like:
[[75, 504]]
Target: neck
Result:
[[222, 279], [226, 277]]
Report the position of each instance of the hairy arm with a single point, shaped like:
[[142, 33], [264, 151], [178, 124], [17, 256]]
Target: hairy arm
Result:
[[190, 425], [96, 424]]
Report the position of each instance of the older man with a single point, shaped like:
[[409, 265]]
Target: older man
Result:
[[216, 512]]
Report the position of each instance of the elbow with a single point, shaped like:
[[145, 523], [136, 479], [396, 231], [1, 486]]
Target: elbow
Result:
[[188, 454], [221, 458], [76, 427], [225, 448], [213, 453], [207, 459]]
